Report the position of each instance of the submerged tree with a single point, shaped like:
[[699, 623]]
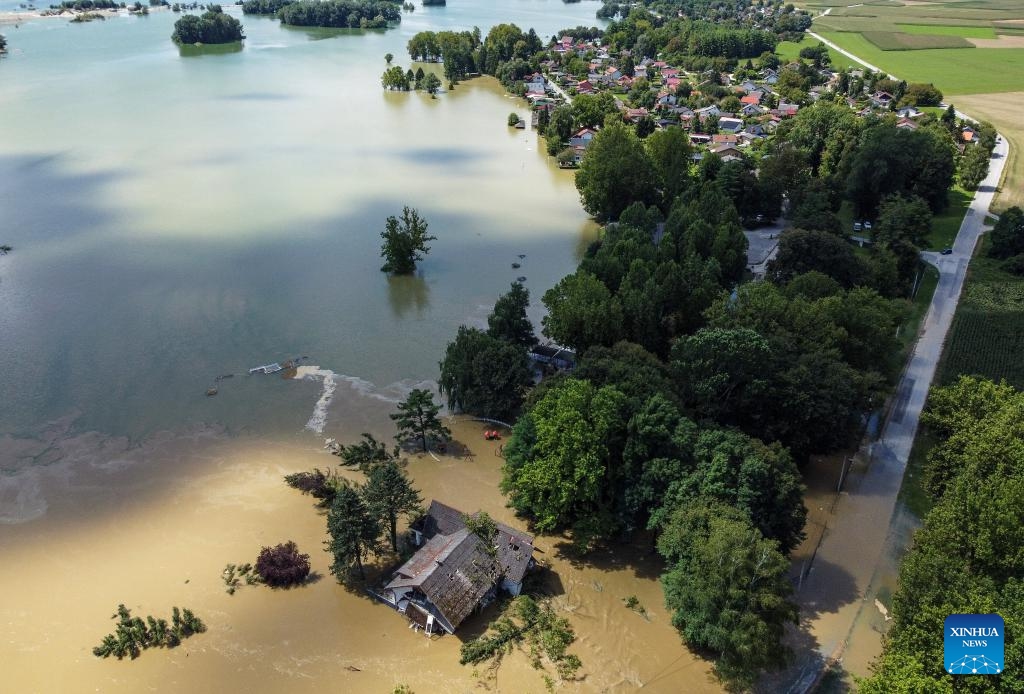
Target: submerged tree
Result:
[[354, 532], [431, 84], [388, 494], [405, 240], [484, 375], [508, 321], [728, 590], [417, 419], [320, 484], [133, 634], [367, 454]]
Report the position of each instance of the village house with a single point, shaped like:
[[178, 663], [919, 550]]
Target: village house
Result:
[[730, 125], [786, 110], [454, 571], [708, 111], [726, 152], [881, 99], [750, 110]]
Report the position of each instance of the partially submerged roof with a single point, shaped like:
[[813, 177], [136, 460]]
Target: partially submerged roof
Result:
[[454, 572], [514, 548]]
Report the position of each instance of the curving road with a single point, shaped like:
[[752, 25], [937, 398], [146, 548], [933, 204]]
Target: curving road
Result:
[[835, 593]]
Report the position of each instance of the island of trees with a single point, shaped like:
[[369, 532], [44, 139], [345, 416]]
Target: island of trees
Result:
[[213, 26], [345, 14]]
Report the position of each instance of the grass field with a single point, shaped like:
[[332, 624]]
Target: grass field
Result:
[[987, 335], [790, 50], [967, 32], [897, 41], [969, 71]]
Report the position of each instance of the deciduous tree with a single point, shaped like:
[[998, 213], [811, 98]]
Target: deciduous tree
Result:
[[405, 242]]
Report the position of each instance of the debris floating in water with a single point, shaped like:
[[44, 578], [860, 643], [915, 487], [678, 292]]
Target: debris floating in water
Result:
[[516, 266], [521, 278], [522, 255]]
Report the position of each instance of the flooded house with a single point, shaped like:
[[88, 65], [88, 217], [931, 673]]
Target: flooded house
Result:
[[454, 571]]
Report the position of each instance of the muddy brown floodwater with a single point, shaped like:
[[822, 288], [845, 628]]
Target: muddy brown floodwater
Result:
[[155, 528]]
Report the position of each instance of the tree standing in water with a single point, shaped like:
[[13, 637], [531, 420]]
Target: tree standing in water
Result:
[[353, 530], [405, 240], [388, 494], [417, 419]]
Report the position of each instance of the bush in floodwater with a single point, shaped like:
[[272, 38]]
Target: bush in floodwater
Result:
[[282, 566], [133, 634], [234, 574]]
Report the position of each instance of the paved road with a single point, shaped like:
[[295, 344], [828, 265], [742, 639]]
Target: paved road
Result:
[[847, 53], [835, 592]]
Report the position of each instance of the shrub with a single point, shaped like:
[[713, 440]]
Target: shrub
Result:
[[282, 566]]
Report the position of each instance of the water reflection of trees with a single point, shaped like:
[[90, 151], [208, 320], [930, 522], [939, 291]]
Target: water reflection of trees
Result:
[[408, 293]]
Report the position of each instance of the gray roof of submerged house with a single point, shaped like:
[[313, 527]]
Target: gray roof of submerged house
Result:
[[453, 571], [514, 548]]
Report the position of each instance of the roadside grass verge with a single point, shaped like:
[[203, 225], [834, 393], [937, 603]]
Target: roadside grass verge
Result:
[[912, 493], [946, 225]]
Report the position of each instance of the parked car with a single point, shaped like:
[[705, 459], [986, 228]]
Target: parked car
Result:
[[857, 226], [867, 225], [947, 251]]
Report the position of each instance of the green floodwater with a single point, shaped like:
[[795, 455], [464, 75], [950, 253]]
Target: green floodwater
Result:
[[176, 216]]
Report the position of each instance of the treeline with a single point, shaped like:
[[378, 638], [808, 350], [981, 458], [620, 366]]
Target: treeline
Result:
[[352, 14], [214, 26], [88, 5], [967, 557], [264, 6]]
